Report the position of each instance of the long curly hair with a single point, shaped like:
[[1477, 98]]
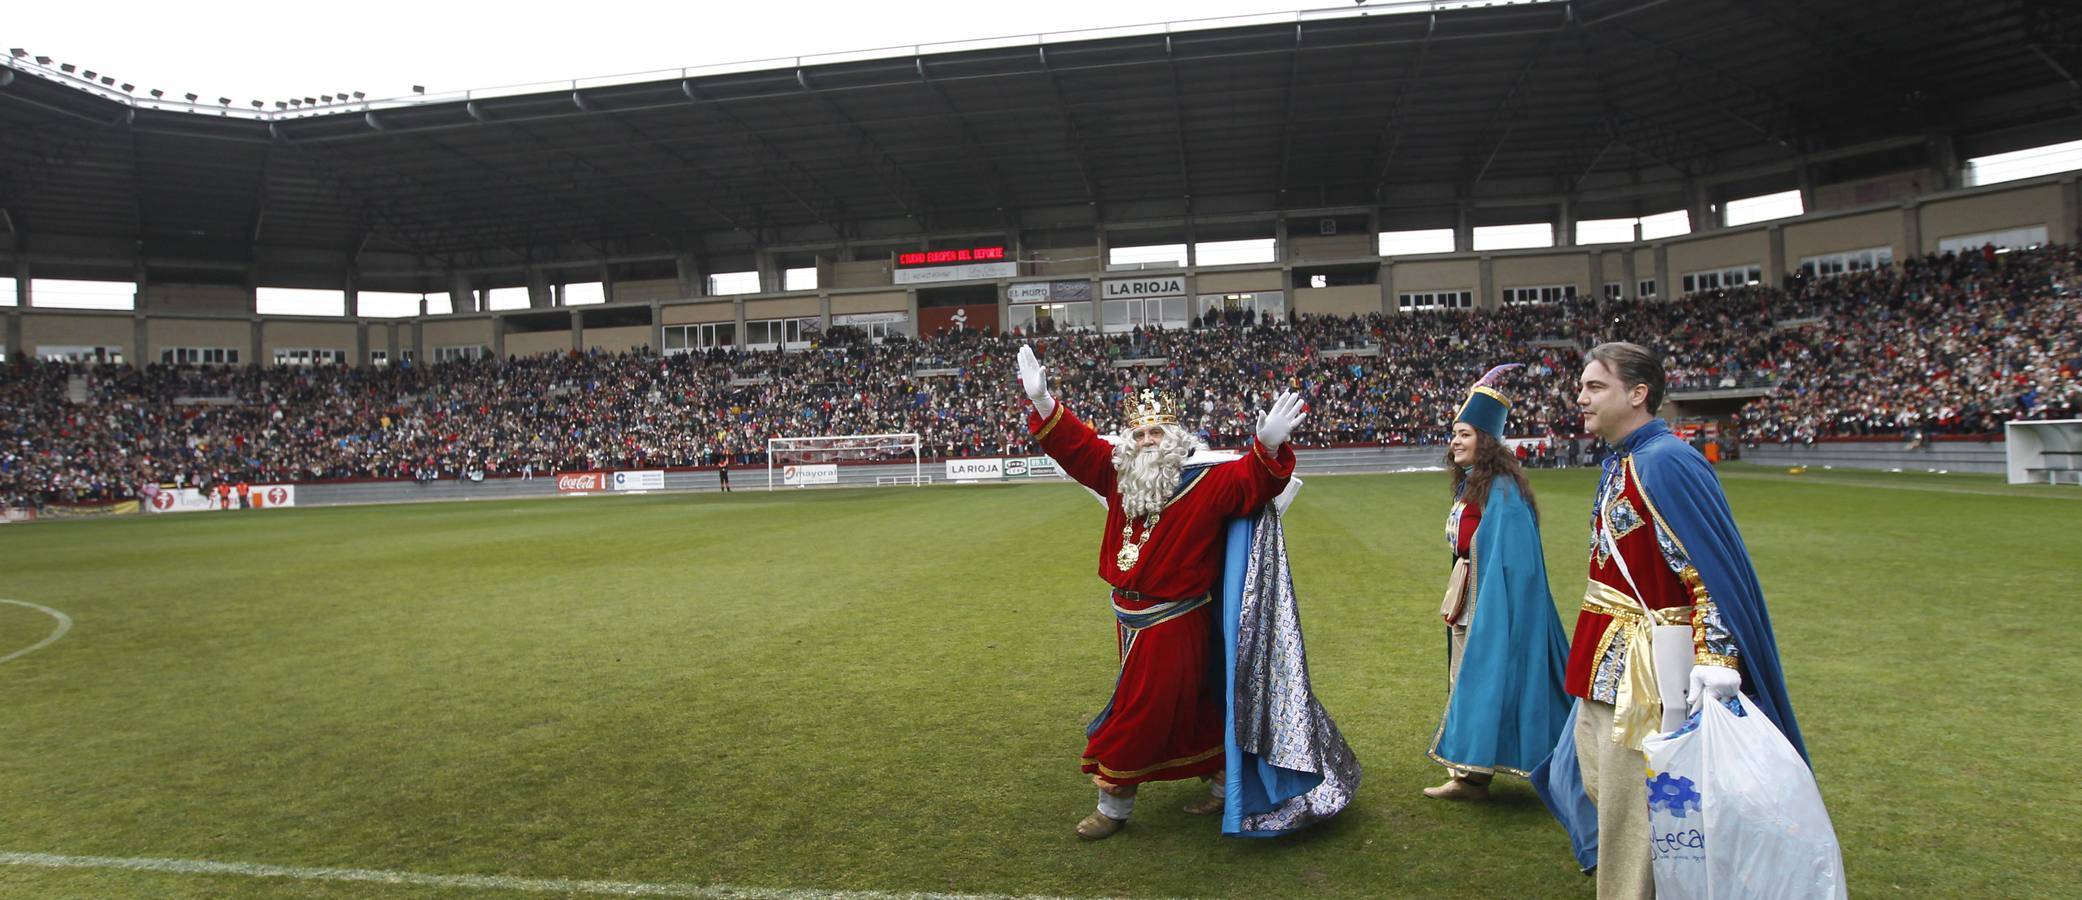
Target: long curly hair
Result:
[[1471, 482]]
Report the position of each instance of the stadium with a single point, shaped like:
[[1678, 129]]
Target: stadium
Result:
[[366, 462]]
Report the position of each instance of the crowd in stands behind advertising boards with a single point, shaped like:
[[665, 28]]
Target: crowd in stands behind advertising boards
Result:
[[1931, 346]]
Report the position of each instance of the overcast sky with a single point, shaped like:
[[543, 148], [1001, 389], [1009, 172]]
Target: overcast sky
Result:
[[283, 48]]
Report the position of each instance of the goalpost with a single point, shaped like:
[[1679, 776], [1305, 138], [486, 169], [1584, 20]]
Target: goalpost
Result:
[[814, 460]]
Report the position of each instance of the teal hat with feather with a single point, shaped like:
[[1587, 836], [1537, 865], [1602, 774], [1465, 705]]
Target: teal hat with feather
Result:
[[1486, 408]]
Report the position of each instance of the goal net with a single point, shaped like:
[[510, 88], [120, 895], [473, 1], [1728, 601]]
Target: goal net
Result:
[[801, 461]]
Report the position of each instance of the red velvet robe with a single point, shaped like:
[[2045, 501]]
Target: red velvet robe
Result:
[[1165, 720]]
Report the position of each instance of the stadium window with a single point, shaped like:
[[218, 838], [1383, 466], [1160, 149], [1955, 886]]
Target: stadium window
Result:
[[1644, 288], [584, 293], [1605, 231], [704, 336], [1271, 304], [782, 334], [1417, 301], [379, 358], [7, 292], [1550, 293], [1764, 207], [310, 356], [506, 298], [457, 352], [1075, 316], [387, 305], [1152, 256], [2013, 239], [1669, 224], [802, 279], [1144, 312], [199, 356], [62, 294], [2046, 160], [1230, 253], [80, 354], [1408, 243], [273, 301], [1715, 279], [726, 283], [1828, 264], [1514, 237], [1614, 290]]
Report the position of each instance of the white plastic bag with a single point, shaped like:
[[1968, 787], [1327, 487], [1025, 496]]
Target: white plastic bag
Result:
[[1733, 812]]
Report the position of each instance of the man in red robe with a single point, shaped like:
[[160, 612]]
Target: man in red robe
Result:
[[1161, 551]]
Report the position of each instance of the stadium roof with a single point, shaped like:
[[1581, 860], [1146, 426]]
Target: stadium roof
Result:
[[1613, 103]]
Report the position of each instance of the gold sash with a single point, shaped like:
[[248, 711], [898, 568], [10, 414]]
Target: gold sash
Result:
[[1637, 710]]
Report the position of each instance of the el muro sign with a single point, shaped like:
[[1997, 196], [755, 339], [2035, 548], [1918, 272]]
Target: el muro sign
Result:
[[1163, 286]]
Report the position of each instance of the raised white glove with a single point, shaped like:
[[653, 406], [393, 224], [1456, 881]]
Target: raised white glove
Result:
[[1278, 423], [1718, 682], [1034, 380]]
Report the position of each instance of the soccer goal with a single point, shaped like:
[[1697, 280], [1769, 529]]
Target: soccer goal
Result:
[[2044, 452], [815, 460]]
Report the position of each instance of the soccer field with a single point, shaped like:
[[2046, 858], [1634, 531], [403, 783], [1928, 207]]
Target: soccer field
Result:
[[885, 690]]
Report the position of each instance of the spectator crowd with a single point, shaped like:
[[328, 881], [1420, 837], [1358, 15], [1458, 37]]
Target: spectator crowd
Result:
[[1934, 345]]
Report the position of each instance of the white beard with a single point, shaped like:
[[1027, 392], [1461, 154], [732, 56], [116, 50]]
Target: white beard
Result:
[[1149, 476]]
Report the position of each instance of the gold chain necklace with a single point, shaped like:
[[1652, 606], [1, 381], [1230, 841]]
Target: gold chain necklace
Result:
[[1131, 549]]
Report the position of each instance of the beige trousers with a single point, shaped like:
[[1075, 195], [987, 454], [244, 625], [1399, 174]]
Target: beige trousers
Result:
[[1616, 778]]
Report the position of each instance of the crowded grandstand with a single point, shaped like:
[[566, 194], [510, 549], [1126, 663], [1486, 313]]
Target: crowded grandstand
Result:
[[1948, 345]]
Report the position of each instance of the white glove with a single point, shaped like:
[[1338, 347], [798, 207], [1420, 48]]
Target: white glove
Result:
[[1034, 380], [1278, 423], [1718, 682]]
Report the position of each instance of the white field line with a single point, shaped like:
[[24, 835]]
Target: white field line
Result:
[[64, 625], [478, 882]]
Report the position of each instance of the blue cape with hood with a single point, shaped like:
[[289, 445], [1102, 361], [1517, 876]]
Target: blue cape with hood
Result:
[[1508, 705]]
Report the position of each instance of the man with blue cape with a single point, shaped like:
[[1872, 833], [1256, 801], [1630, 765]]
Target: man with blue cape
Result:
[[1212, 682], [1672, 617]]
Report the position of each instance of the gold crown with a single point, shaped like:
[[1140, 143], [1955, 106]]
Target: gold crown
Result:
[[1150, 408]]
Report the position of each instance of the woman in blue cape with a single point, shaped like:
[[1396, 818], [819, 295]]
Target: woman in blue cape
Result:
[[1505, 649]]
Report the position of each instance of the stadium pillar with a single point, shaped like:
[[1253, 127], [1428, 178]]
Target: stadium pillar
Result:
[[910, 312], [499, 337], [1485, 284], [1596, 268], [1387, 283], [1944, 156], [737, 307], [658, 328], [578, 332], [1911, 230], [390, 342], [1701, 206], [22, 295], [1565, 223], [14, 334], [824, 307], [769, 276], [691, 282], [606, 283], [361, 343], [462, 295], [539, 294], [1463, 228], [254, 343], [1630, 285], [2071, 210], [1774, 256], [1664, 287]]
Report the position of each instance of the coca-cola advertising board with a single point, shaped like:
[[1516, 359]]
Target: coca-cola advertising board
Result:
[[581, 482]]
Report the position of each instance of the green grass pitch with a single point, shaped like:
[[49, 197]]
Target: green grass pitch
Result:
[[884, 690]]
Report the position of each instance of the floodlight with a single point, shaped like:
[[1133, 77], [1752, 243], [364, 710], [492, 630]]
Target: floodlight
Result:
[[358, 95], [281, 104], [256, 104], [191, 97], [419, 89], [157, 93], [128, 87], [223, 101], [68, 68], [90, 75], [43, 60], [108, 81], [19, 53]]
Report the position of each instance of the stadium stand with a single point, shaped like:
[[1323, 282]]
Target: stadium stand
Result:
[[1953, 344]]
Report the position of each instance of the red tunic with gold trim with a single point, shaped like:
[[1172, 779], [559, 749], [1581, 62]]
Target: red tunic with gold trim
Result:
[[1666, 578], [1165, 719]]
